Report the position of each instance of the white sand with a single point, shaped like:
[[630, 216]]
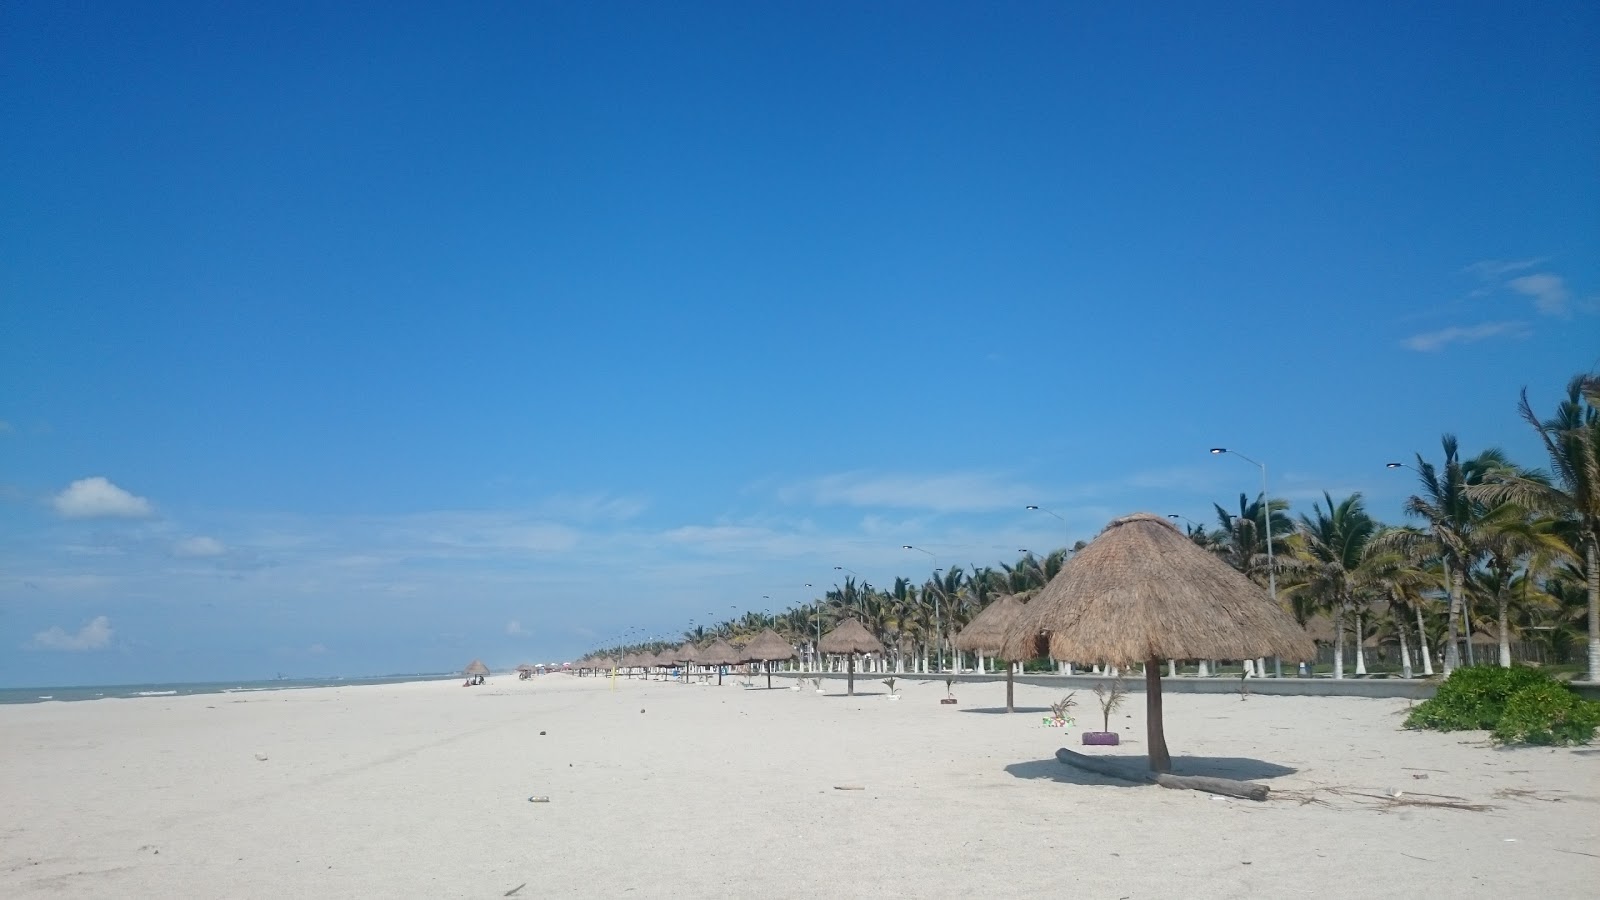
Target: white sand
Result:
[[421, 790]]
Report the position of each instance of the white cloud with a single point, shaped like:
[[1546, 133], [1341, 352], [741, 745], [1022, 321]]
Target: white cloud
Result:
[[94, 635], [1430, 341], [316, 649], [592, 507], [947, 492], [198, 547], [515, 629], [1492, 269], [98, 498], [1549, 292]]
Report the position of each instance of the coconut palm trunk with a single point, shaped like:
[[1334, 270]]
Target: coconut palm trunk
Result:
[[1338, 640], [1361, 646], [1593, 566], [1422, 645], [1405, 647], [1502, 627], [1452, 633]]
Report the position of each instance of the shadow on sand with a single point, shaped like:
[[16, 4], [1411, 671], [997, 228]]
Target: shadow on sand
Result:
[[1236, 767], [1001, 710]]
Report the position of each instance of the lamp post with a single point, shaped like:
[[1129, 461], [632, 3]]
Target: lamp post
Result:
[[938, 627], [816, 649], [1272, 567]]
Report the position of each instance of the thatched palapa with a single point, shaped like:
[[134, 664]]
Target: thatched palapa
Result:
[[1142, 592], [850, 638], [986, 633], [719, 653], [765, 648], [476, 667]]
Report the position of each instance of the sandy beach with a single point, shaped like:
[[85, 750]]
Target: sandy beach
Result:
[[666, 790]]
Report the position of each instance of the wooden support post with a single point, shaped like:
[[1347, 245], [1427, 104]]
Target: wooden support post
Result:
[[850, 679], [1010, 669], [1155, 735]]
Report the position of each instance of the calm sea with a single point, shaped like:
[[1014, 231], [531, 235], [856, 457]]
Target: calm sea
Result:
[[100, 692]]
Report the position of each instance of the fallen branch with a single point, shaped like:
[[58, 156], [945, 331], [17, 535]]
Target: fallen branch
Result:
[[1245, 790]]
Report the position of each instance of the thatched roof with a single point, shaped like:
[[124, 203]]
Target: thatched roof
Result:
[[527, 667], [719, 653], [685, 653], [1320, 629], [1141, 590], [987, 630], [476, 667], [850, 637], [767, 646]]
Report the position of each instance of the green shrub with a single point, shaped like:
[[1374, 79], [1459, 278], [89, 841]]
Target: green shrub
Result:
[[1547, 713], [1474, 698]]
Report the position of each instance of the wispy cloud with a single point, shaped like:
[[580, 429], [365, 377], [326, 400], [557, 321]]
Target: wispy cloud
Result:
[[1431, 341], [592, 508], [1493, 269], [5, 427], [515, 629], [98, 498], [1548, 292], [94, 635], [198, 547], [943, 492]]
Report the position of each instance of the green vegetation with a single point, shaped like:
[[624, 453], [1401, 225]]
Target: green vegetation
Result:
[[1518, 705], [1547, 713]]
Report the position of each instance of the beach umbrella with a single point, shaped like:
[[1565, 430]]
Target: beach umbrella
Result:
[[719, 653], [476, 667], [986, 633], [1142, 592], [850, 638], [767, 647], [686, 654]]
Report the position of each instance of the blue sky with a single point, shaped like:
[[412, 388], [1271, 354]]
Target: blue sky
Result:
[[370, 339]]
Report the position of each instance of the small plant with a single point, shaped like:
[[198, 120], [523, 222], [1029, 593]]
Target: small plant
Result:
[[890, 683], [1061, 709], [1110, 698], [949, 685]]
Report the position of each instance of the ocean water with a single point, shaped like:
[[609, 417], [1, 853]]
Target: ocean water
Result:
[[104, 691]]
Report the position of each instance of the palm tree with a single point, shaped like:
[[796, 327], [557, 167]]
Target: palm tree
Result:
[[1333, 558], [1242, 538], [1514, 543], [1571, 438], [1403, 584], [1452, 518]]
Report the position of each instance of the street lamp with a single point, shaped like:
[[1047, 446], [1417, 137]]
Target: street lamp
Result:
[[1045, 511], [938, 625], [1266, 513]]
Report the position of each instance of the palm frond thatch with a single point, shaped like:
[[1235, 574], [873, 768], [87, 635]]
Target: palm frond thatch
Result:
[[850, 637], [476, 667], [986, 632], [1143, 591], [718, 653], [767, 646]]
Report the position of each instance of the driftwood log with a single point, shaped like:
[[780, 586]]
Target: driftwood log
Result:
[[1244, 790]]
